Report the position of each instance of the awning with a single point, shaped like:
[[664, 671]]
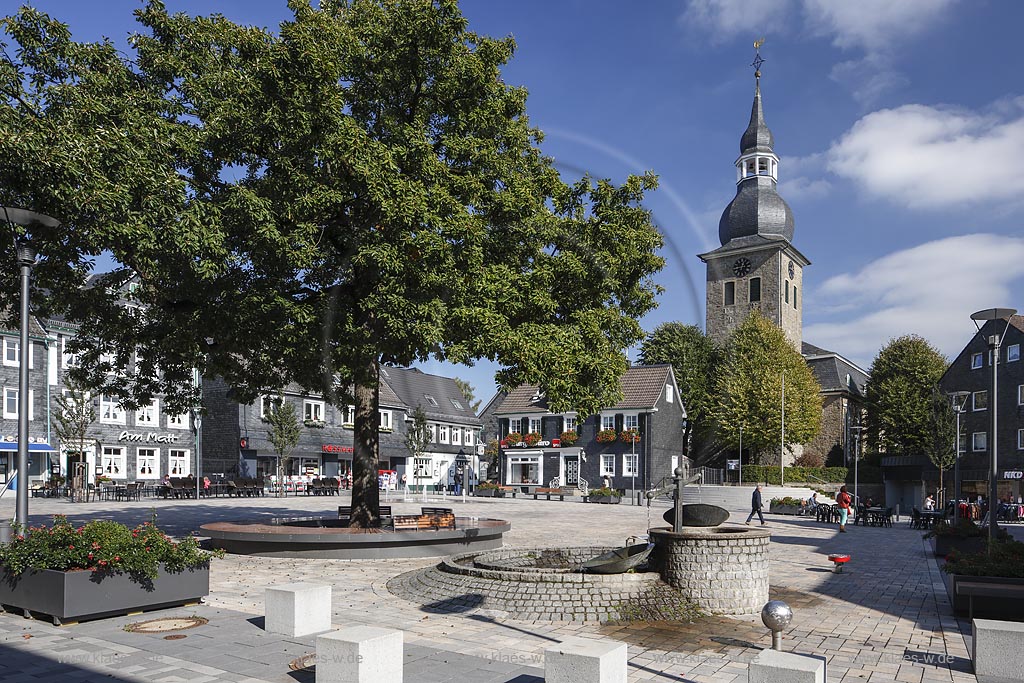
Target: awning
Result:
[[32, 447]]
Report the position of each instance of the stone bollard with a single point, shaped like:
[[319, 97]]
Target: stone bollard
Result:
[[585, 660], [995, 649], [360, 654], [772, 666], [297, 609]]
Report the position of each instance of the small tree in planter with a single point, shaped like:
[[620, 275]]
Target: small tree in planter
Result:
[[607, 436], [75, 417], [569, 437], [283, 433], [531, 439]]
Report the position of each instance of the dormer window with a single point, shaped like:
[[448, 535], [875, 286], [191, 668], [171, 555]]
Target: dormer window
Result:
[[458, 406], [430, 399]]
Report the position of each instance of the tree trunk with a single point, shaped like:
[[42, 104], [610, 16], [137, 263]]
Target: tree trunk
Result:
[[365, 494]]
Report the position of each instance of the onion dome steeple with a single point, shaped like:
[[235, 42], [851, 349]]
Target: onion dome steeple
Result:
[[757, 208]]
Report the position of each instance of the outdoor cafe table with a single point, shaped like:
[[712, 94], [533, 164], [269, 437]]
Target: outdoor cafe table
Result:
[[876, 516], [929, 517]]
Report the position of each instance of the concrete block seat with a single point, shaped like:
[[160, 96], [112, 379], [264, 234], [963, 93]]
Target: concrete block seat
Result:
[[772, 666], [360, 654], [585, 660], [297, 609], [995, 650]]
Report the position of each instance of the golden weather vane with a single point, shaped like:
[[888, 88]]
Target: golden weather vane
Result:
[[758, 61]]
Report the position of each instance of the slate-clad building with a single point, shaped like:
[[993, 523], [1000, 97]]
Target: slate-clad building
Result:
[[909, 478], [235, 435], [651, 408], [842, 391]]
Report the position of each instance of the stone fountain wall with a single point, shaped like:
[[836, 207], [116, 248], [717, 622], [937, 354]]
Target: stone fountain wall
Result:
[[722, 570]]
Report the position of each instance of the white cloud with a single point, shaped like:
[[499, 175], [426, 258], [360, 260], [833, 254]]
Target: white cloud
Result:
[[872, 25], [869, 78], [727, 18], [931, 157], [804, 188], [930, 290]]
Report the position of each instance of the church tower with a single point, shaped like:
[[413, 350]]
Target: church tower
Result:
[[757, 267]]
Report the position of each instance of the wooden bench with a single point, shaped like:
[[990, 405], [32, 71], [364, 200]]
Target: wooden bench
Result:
[[549, 493], [509, 489], [345, 511], [424, 522], [436, 511], [973, 589]]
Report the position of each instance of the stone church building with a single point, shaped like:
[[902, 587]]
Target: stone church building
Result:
[[758, 267]]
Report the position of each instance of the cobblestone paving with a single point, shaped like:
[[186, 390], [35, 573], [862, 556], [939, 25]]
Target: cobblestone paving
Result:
[[886, 618]]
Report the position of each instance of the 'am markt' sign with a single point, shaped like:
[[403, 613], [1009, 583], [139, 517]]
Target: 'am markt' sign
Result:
[[147, 437]]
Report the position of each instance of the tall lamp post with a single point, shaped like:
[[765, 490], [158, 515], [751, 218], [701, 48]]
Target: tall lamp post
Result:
[[959, 401], [26, 256], [995, 342], [856, 429]]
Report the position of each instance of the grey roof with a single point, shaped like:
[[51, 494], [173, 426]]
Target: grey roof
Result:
[[412, 387], [755, 243], [757, 208], [641, 385], [833, 372], [757, 137], [11, 325]]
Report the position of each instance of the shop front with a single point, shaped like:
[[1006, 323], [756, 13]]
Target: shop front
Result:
[[337, 460], [38, 460]]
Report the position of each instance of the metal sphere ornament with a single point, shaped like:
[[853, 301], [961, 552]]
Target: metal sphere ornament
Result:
[[776, 615]]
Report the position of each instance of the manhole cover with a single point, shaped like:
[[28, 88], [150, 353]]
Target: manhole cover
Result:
[[165, 625], [176, 636], [303, 663]]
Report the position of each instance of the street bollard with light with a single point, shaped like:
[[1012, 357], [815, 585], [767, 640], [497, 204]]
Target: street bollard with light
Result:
[[26, 256], [776, 615], [995, 342], [959, 401]]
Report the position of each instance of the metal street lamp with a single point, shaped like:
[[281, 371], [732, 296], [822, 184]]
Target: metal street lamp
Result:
[[995, 341], [26, 256], [959, 401], [856, 429]]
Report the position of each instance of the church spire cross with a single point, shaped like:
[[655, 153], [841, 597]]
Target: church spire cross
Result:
[[758, 61]]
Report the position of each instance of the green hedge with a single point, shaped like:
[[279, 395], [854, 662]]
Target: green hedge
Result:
[[835, 475]]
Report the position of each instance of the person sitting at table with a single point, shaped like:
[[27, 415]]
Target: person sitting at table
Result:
[[929, 503], [870, 503]]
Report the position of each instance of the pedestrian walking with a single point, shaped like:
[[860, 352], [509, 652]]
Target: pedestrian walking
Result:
[[755, 507], [843, 500]]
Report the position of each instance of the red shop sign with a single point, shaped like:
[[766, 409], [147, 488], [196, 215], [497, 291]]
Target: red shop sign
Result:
[[332, 448]]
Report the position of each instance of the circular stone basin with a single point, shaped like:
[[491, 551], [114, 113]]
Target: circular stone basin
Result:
[[540, 584], [325, 537]]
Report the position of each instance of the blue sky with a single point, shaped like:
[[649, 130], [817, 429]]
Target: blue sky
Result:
[[899, 123]]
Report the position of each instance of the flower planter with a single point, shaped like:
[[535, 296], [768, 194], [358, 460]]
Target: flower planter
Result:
[[607, 500], [942, 546], [78, 595], [489, 493], [784, 510], [1007, 608]]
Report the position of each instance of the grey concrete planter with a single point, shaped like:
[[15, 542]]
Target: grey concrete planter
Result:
[[784, 510], [944, 545], [489, 493], [78, 595], [607, 500]]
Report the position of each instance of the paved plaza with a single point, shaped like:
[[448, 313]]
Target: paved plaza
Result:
[[886, 618]]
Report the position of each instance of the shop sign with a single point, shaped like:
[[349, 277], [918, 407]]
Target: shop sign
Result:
[[148, 437], [732, 464], [1013, 474], [334, 448]]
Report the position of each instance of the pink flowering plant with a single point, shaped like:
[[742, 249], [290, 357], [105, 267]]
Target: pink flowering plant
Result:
[[102, 547]]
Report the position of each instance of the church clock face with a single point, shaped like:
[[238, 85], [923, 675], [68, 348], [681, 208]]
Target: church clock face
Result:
[[741, 267], [792, 270]]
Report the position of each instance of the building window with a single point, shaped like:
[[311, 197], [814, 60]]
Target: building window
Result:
[[111, 411], [432, 430], [608, 465], [669, 398], [458, 406], [755, 289], [979, 400], [177, 421], [456, 436], [631, 422], [148, 416], [1020, 439], [730, 293], [147, 462], [976, 361], [1012, 353], [794, 296], [963, 443], [979, 441], [178, 462], [68, 359], [430, 399], [113, 463], [469, 436], [524, 469], [442, 434], [787, 291], [1020, 394], [384, 423], [569, 423], [630, 465], [313, 411], [267, 404], [535, 425], [348, 417], [10, 404], [607, 422], [514, 424], [11, 352]]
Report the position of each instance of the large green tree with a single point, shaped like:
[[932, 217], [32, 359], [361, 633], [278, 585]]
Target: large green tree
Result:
[[359, 187], [694, 360], [749, 390], [901, 415]]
